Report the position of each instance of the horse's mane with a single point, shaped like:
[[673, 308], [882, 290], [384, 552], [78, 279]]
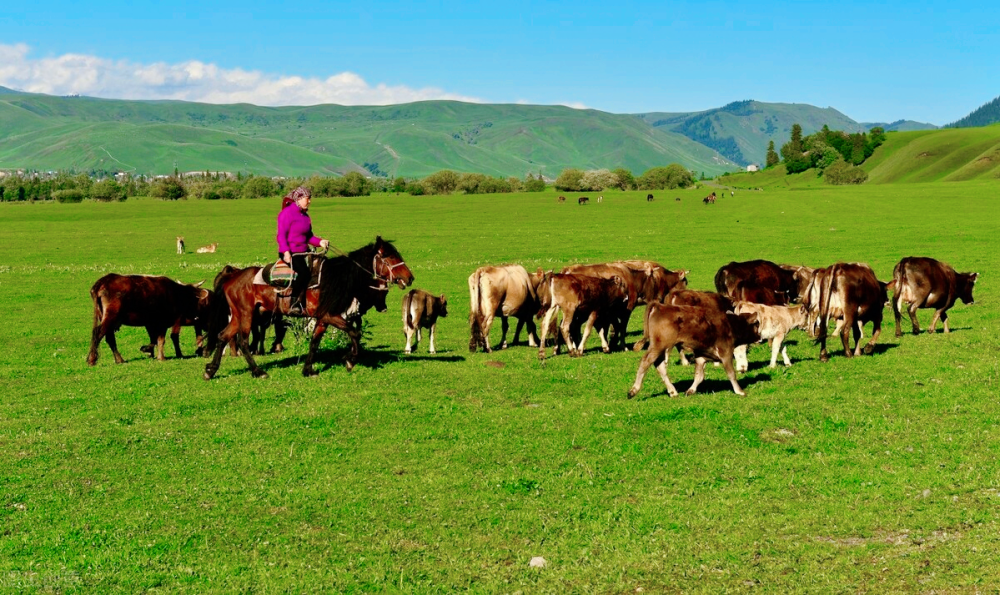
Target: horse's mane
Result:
[[343, 277]]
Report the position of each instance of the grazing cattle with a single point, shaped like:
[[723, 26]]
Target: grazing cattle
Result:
[[180, 244], [789, 280], [503, 291], [561, 199], [649, 198], [422, 310], [923, 282], [582, 200], [209, 249], [647, 280], [583, 295], [678, 199], [775, 324], [851, 294], [708, 333], [156, 303]]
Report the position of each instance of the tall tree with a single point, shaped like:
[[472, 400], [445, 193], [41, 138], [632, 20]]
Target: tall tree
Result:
[[772, 155]]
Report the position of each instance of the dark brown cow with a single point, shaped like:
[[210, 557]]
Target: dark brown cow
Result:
[[708, 333], [583, 295], [422, 310], [504, 291], [582, 200], [851, 294], [262, 318], [923, 282], [649, 198], [157, 303], [702, 299], [561, 199], [748, 291], [648, 281], [761, 273]]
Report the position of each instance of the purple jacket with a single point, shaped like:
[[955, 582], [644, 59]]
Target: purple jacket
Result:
[[295, 231]]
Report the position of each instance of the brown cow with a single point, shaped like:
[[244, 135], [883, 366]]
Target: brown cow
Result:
[[157, 303], [503, 291], [785, 279], [422, 310], [561, 199], [649, 198], [710, 334], [775, 324], [701, 299], [923, 282], [749, 291], [582, 200], [583, 295], [851, 294], [648, 281]]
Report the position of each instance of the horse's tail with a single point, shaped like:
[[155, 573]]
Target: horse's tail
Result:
[[475, 315]]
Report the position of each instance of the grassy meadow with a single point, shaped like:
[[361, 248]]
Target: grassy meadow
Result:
[[450, 472]]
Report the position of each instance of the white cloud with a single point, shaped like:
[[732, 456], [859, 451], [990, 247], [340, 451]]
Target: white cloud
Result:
[[194, 81]]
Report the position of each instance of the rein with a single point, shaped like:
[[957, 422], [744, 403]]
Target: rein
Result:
[[378, 258]]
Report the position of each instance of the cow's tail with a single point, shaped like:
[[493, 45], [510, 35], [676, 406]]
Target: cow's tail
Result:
[[825, 294], [475, 312], [407, 312], [95, 296]]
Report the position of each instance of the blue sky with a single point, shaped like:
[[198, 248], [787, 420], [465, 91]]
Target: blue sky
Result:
[[930, 61]]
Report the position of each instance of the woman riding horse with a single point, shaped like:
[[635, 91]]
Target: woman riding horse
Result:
[[294, 237]]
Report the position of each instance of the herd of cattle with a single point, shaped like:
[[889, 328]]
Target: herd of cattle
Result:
[[754, 301]]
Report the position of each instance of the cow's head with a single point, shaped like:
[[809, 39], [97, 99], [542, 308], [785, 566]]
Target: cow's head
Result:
[[966, 282], [746, 327], [442, 306]]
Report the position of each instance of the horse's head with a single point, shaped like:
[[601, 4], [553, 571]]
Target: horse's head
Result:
[[389, 266]]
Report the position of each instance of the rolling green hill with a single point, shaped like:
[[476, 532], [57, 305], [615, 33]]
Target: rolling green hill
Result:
[[942, 155], [53, 133]]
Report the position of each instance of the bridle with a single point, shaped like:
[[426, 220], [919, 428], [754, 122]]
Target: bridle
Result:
[[380, 260]]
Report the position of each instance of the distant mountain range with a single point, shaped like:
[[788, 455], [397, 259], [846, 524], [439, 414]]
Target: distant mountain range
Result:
[[43, 132]]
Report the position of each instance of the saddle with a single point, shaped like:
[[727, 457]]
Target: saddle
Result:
[[280, 276]]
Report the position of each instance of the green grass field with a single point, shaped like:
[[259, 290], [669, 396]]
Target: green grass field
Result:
[[424, 474]]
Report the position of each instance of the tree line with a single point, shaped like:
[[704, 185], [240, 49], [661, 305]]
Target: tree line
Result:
[[70, 188]]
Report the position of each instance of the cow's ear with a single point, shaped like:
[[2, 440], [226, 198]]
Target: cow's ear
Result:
[[443, 299], [540, 271], [684, 274], [649, 270]]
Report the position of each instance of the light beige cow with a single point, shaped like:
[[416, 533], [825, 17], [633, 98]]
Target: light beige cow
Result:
[[775, 324], [505, 291], [209, 249]]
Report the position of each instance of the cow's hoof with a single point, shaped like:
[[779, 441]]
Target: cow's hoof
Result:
[[209, 374], [349, 366], [432, 352], [632, 393], [606, 349], [824, 358], [259, 374], [407, 351], [899, 334], [869, 349], [689, 392], [146, 349]]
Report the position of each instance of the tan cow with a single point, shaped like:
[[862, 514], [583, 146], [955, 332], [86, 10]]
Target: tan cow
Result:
[[209, 249], [708, 333], [504, 291], [422, 310], [775, 323]]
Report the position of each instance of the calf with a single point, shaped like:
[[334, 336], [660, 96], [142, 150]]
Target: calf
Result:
[[851, 294], [583, 295], [180, 244], [209, 249], [700, 299], [775, 323], [923, 282], [157, 303], [421, 310], [708, 333]]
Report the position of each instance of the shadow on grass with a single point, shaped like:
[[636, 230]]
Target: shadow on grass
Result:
[[709, 385]]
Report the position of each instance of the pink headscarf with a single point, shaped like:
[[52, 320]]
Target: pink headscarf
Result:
[[294, 196]]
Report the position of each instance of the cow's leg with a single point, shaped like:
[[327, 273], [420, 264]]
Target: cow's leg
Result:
[[565, 329], [409, 338], [876, 331], [913, 318], [779, 341], [586, 333], [662, 369], [647, 360], [532, 331], [742, 362], [684, 359], [934, 320], [897, 303], [485, 325], [159, 338], [699, 375], [504, 327], [150, 348], [845, 333], [727, 364], [431, 337], [517, 331], [175, 338], [944, 320], [238, 329], [545, 331], [604, 333]]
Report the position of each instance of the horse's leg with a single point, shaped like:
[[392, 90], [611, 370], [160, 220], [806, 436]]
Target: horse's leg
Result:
[[279, 335], [238, 328]]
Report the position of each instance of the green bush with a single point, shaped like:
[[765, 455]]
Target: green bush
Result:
[[70, 195], [259, 187], [841, 173], [168, 189], [107, 190]]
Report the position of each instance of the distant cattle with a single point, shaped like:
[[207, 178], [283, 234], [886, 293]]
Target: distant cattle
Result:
[[647, 280], [156, 303], [708, 333], [789, 280], [923, 282], [422, 310], [561, 199], [502, 291], [851, 294], [678, 199], [582, 200], [600, 199], [710, 199], [580, 296], [649, 198], [775, 324], [180, 244], [209, 249]]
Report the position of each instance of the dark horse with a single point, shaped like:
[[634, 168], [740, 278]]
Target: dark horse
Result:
[[348, 285]]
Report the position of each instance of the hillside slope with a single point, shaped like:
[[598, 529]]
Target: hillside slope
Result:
[[48, 133]]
